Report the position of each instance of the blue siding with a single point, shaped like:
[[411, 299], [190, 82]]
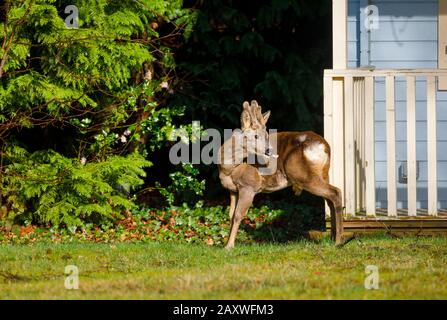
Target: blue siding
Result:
[[353, 33], [406, 38]]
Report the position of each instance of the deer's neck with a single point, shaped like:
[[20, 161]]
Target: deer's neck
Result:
[[232, 154]]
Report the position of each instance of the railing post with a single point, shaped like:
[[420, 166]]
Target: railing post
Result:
[[359, 114], [370, 174], [340, 61], [350, 164], [328, 125], [340, 34], [411, 145], [391, 146], [431, 147], [362, 146], [338, 147], [442, 42]]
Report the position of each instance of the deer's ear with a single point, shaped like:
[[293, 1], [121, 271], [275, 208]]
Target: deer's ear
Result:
[[266, 116], [245, 120]]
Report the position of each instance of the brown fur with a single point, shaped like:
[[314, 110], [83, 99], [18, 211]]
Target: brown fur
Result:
[[294, 169]]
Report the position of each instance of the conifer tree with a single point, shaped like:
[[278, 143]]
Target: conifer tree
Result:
[[79, 81]]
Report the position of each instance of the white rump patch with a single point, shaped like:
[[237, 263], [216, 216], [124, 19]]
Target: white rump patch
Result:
[[315, 153]]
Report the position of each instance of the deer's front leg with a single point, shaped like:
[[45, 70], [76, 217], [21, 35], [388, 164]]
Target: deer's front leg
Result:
[[245, 199]]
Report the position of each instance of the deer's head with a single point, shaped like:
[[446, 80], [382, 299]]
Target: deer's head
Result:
[[254, 130]]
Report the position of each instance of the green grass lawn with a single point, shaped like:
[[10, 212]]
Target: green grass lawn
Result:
[[410, 268]]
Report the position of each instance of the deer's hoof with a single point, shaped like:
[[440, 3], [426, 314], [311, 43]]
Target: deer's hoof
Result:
[[344, 239]]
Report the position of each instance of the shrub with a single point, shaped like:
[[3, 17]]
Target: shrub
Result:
[[95, 92], [184, 185], [45, 186]]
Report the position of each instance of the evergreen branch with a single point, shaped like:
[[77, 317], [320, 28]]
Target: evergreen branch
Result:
[[11, 38]]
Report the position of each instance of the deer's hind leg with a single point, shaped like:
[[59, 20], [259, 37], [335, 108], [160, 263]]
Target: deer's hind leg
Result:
[[233, 202], [333, 197], [245, 199]]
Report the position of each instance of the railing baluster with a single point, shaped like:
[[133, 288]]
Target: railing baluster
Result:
[[431, 147], [357, 144], [328, 124], [391, 146], [350, 188], [370, 175], [363, 162], [411, 145], [338, 147]]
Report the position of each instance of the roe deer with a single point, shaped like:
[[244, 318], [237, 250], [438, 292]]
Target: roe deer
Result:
[[301, 160]]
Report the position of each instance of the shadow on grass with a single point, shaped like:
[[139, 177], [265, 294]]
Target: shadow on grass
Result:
[[297, 218]]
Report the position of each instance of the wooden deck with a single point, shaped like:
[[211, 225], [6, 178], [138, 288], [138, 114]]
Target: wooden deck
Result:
[[402, 214], [423, 224]]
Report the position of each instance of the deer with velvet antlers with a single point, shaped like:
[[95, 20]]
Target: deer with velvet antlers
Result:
[[298, 159]]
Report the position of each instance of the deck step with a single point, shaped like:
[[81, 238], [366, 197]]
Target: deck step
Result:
[[416, 226]]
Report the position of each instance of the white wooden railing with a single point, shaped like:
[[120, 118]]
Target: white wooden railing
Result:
[[349, 123]]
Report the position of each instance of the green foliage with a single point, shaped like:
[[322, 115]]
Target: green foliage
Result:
[[54, 75], [45, 187], [94, 93], [113, 87], [184, 185], [275, 222]]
